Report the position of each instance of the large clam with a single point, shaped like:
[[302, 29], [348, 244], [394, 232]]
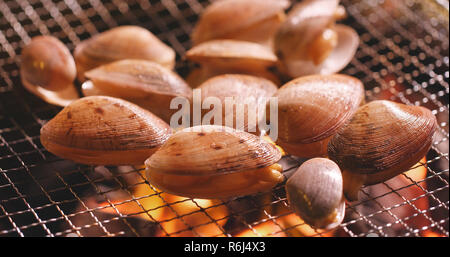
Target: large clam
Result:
[[214, 162], [312, 108], [47, 69], [315, 193], [382, 140], [101, 130], [248, 20], [218, 57], [245, 96], [123, 42], [142, 82], [309, 41]]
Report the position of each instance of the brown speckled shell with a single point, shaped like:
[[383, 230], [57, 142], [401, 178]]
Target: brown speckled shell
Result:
[[212, 150], [383, 139], [105, 131], [314, 107]]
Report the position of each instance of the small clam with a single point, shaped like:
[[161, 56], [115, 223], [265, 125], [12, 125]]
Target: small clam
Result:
[[315, 193], [123, 42], [101, 130], [312, 108], [218, 57], [48, 70], [141, 82], [250, 91], [382, 140], [248, 20], [214, 162], [309, 41]]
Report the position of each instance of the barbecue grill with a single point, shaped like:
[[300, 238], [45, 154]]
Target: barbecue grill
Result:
[[402, 56]]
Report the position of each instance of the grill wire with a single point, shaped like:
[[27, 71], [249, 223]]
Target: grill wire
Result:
[[403, 57]]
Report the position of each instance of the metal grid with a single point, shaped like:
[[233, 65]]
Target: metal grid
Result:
[[403, 56]]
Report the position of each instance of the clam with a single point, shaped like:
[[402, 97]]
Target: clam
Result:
[[102, 130], [218, 57], [236, 89], [309, 41], [315, 193], [123, 42], [248, 20], [142, 82], [47, 69], [312, 108], [382, 140], [214, 162]]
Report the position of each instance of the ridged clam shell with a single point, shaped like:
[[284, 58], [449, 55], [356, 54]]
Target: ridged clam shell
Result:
[[142, 82], [123, 42], [48, 70], [235, 19], [250, 90], [313, 108], [104, 130], [212, 150], [383, 139], [315, 193]]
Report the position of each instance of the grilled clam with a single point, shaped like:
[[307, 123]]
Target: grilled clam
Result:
[[145, 83], [315, 193], [218, 57], [101, 130], [248, 20], [246, 95], [312, 108], [48, 70], [214, 162], [309, 41], [123, 42], [382, 140]]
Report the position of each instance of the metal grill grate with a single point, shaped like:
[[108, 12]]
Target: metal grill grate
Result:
[[403, 56]]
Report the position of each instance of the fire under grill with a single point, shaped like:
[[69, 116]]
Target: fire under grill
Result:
[[402, 56]]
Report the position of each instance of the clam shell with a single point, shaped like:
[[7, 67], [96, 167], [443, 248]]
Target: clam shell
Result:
[[305, 22], [338, 59], [383, 139], [48, 70], [212, 150], [218, 57], [103, 130], [123, 42], [142, 82], [252, 20], [232, 54], [315, 193], [250, 90], [313, 108]]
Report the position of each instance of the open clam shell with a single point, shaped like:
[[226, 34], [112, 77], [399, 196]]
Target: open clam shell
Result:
[[249, 20], [309, 41], [103, 130], [214, 162], [47, 69], [141, 82], [123, 42], [382, 140], [315, 193], [311, 109]]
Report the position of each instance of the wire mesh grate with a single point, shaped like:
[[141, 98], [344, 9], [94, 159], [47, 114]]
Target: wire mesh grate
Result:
[[403, 56]]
